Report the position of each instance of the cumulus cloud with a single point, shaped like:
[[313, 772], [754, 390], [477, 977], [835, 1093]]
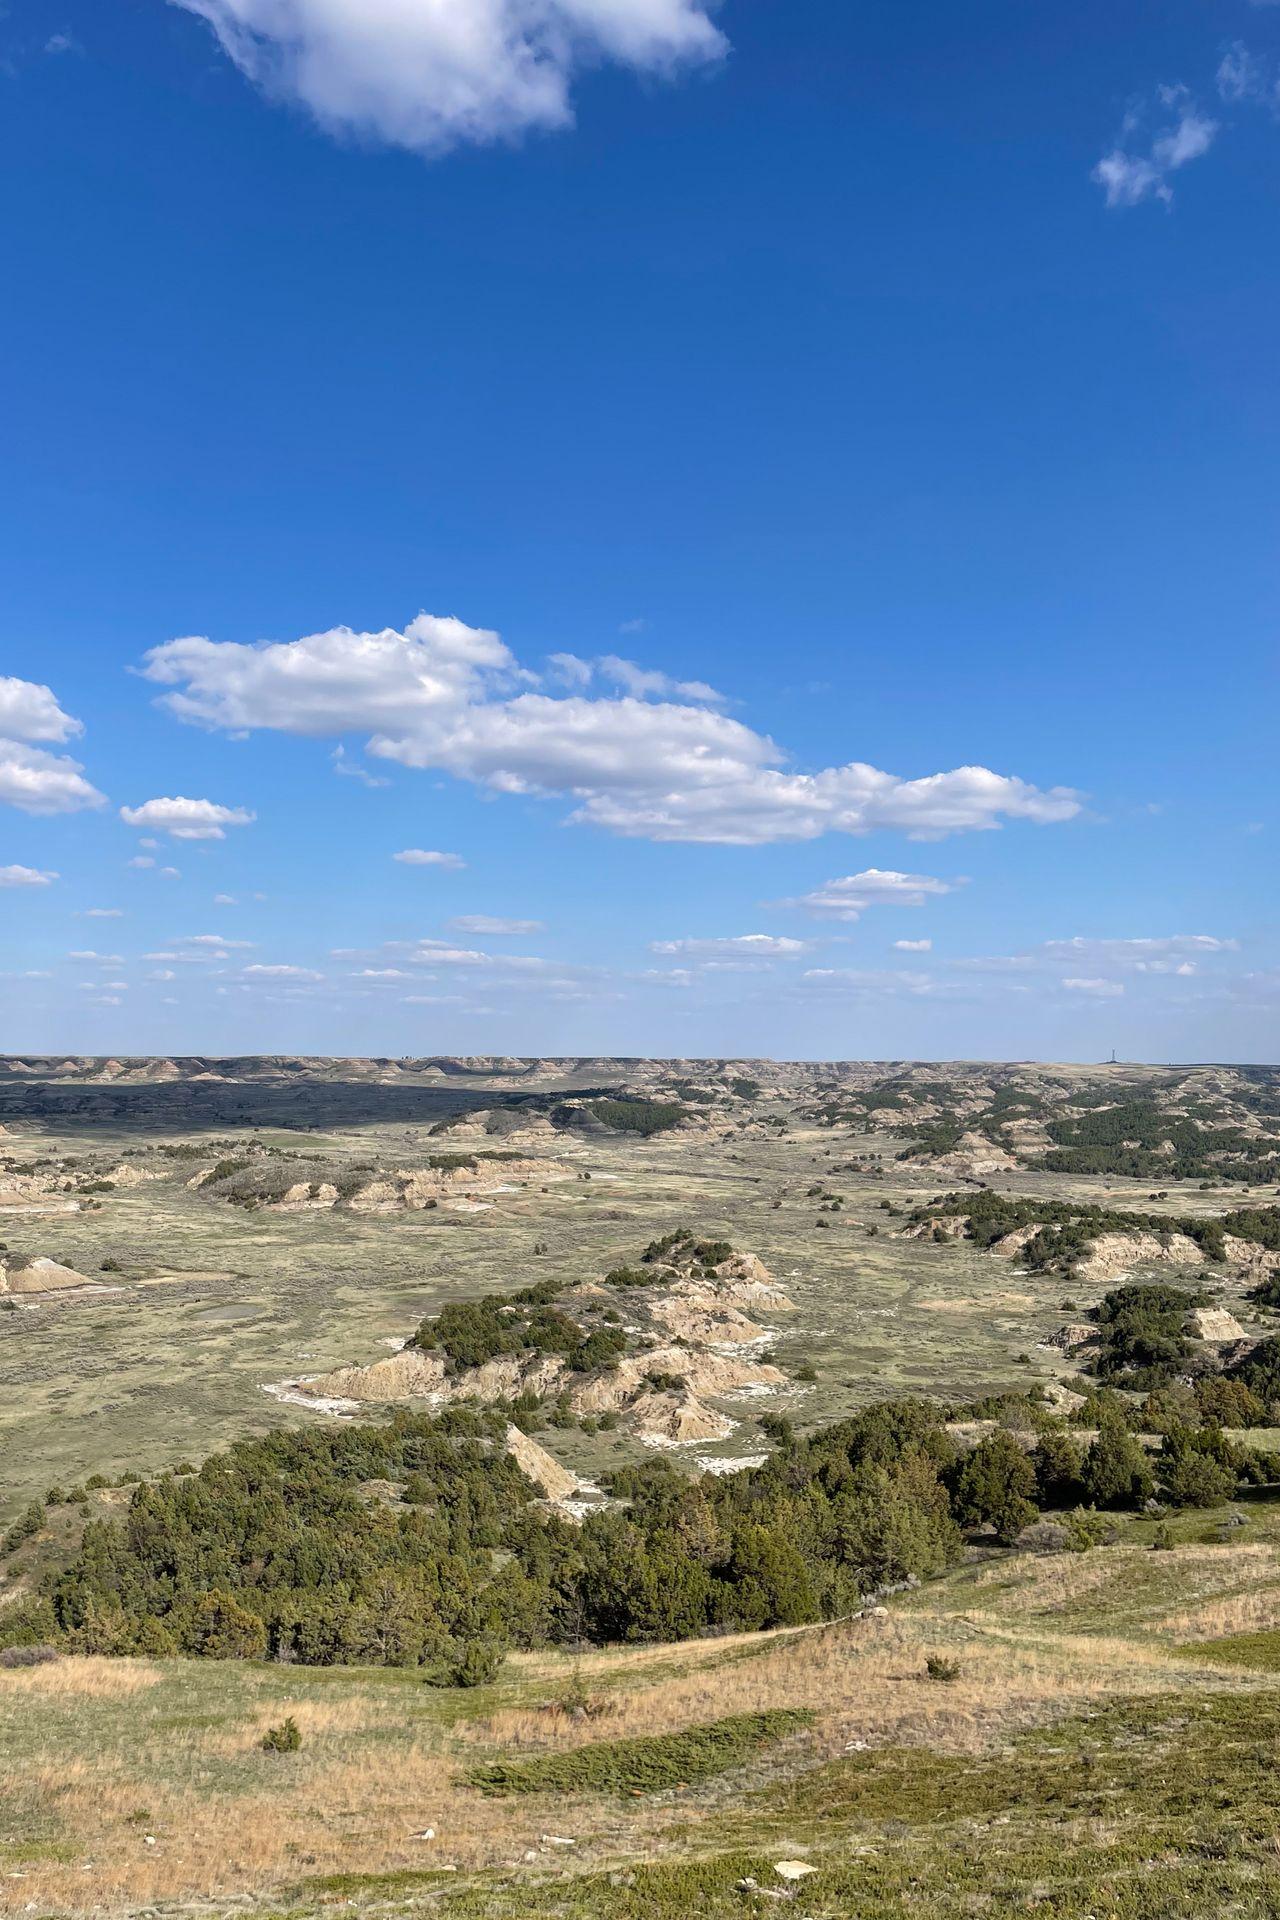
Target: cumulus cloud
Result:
[[739, 946], [1138, 169], [210, 940], [849, 898], [914, 946], [41, 782], [1101, 989], [430, 74], [484, 923], [25, 877], [31, 777], [29, 711], [427, 857], [447, 697], [187, 819], [100, 913]]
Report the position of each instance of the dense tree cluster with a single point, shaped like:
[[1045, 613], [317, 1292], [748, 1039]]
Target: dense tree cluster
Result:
[[1067, 1229], [1140, 1139], [419, 1542], [470, 1332]]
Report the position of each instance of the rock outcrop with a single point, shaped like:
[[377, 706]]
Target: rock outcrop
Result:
[[19, 1276]]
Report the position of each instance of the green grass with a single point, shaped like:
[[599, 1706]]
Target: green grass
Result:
[[1260, 1652], [1156, 1810], [644, 1765]]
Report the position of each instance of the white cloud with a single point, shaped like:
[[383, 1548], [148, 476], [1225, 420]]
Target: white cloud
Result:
[[847, 899], [426, 857], [484, 923], [29, 711], [448, 697], [735, 947], [42, 782], [187, 819], [100, 913], [25, 877], [914, 946], [642, 683], [352, 770], [1102, 989], [1241, 75], [210, 940], [431, 74], [100, 959], [437, 954], [1128, 177], [225, 900], [1146, 956], [382, 973], [258, 972], [30, 777], [873, 980], [142, 860]]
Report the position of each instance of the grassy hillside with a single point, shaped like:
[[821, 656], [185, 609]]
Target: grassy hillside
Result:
[[1105, 1745]]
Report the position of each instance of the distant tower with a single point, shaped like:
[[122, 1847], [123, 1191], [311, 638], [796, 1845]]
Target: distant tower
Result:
[[1113, 1062]]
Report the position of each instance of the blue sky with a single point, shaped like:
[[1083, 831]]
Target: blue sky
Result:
[[769, 410]]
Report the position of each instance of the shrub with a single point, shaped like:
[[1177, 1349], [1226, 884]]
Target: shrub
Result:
[[938, 1667], [286, 1738], [475, 1663], [1087, 1528], [25, 1527], [38, 1655]]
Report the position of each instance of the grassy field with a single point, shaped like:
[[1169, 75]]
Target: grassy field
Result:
[[1101, 1749], [213, 1304]]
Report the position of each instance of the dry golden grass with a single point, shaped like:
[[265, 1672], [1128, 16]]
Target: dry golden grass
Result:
[[1232, 1613], [139, 1840], [863, 1680], [1064, 1582], [90, 1678], [117, 1751]]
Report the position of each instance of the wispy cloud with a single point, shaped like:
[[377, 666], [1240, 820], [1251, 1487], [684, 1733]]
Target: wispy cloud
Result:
[[484, 923], [741, 946], [1140, 164]]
